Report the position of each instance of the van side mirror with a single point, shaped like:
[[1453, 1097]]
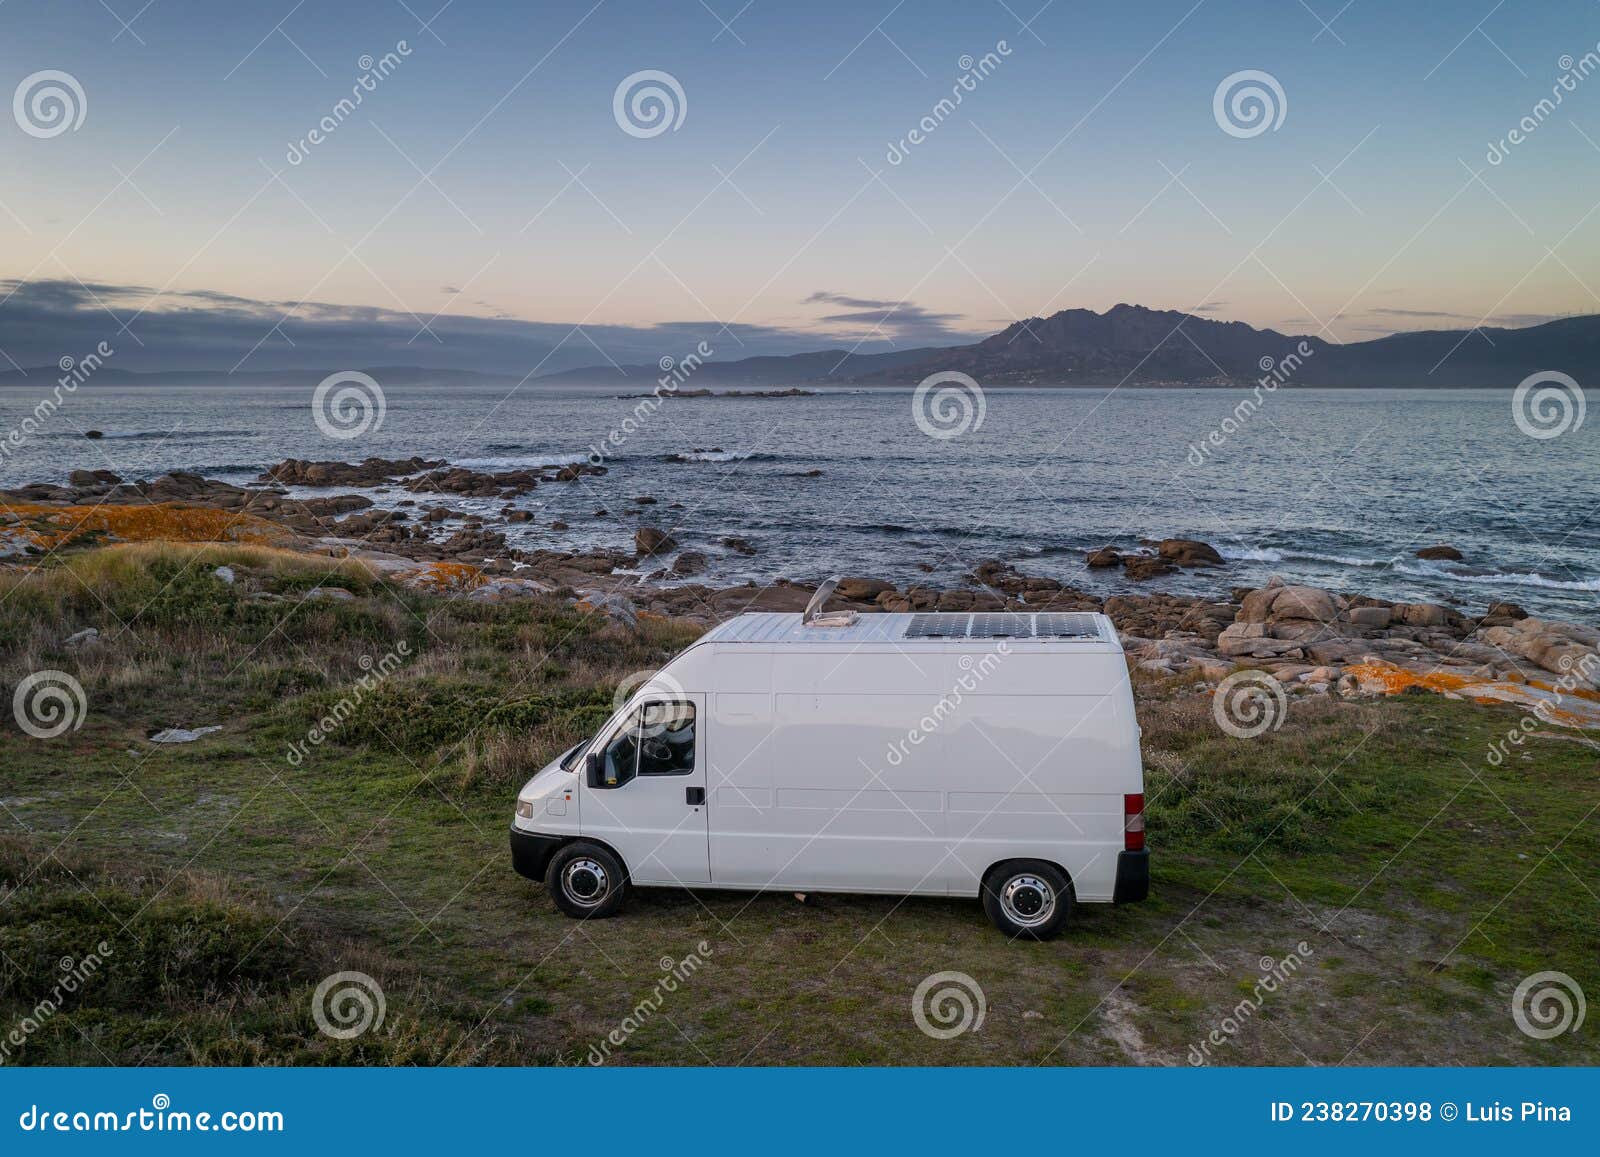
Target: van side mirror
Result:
[[592, 769]]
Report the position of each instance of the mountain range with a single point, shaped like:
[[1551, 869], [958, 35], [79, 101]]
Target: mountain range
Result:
[[1132, 345], [1126, 345]]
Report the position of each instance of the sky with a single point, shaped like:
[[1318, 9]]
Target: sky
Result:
[[488, 204]]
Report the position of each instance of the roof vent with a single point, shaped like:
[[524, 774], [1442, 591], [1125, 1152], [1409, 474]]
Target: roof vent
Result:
[[813, 616]]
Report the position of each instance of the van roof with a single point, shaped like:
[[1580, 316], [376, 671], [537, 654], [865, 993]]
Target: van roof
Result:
[[1064, 627]]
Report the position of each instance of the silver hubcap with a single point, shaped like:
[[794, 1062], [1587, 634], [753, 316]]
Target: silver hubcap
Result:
[[585, 882], [1027, 901]]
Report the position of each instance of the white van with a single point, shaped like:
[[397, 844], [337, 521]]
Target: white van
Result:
[[978, 755]]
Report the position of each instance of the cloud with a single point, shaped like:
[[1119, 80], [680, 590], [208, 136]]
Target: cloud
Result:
[[199, 329], [1512, 320], [904, 322], [1209, 307]]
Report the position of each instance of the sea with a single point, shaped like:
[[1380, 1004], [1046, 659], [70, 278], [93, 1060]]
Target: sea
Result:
[[1336, 488]]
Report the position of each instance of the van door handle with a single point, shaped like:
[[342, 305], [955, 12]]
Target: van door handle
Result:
[[694, 796]]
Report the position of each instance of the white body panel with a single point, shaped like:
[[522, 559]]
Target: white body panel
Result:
[[859, 760]]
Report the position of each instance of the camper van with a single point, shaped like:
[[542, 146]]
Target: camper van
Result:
[[992, 756]]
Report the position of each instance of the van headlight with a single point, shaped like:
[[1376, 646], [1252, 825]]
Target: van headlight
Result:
[[524, 809]]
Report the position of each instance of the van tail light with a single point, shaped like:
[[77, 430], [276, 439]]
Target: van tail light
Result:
[[1133, 822]]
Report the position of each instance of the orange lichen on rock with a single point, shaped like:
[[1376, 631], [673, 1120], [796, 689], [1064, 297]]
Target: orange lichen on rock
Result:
[[1566, 707], [442, 577], [50, 527]]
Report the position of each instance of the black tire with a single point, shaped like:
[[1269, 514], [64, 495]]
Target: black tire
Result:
[[1028, 899], [586, 881]]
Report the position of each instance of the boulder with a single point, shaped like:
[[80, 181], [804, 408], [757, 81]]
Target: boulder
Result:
[[1423, 614], [738, 545], [1188, 552], [1442, 551], [649, 540], [1369, 618], [1104, 557], [1141, 567], [1300, 602], [861, 589], [689, 562]]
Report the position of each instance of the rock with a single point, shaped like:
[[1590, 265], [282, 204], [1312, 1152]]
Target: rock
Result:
[[505, 589], [93, 434], [89, 478], [1188, 552], [738, 545], [1373, 618], [1441, 551], [645, 500], [179, 735], [1104, 557], [225, 573], [649, 540], [861, 589], [689, 562], [335, 594], [1140, 567], [1300, 602], [82, 638], [614, 606], [371, 472], [559, 525], [1256, 606], [519, 516], [1423, 614]]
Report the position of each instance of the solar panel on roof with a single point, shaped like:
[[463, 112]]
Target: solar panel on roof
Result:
[[1004, 625], [937, 627], [1000, 626], [1065, 625]]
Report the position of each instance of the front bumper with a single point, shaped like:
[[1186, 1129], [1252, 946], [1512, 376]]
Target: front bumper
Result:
[[531, 852], [1133, 877]]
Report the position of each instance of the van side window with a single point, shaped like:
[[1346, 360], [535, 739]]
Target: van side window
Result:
[[666, 743], [620, 762]]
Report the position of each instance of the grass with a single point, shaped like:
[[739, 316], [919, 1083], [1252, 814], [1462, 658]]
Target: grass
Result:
[[227, 880]]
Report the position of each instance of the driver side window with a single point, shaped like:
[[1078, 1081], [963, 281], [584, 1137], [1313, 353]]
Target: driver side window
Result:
[[657, 740]]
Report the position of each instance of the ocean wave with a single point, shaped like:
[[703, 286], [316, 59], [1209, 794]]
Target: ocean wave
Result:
[[1271, 554], [1508, 578], [520, 462]]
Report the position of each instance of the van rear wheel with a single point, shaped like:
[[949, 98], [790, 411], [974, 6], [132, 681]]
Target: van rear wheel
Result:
[[1029, 899], [586, 881]]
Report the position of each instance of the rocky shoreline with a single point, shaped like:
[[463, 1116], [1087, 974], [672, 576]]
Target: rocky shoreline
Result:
[[1308, 640]]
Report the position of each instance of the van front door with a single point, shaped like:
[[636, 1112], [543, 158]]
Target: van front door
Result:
[[646, 791]]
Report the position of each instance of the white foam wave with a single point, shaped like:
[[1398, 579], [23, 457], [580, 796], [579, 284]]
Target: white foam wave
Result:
[[521, 462]]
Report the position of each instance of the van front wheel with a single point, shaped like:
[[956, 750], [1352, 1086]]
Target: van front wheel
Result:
[[1028, 898], [586, 881]]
